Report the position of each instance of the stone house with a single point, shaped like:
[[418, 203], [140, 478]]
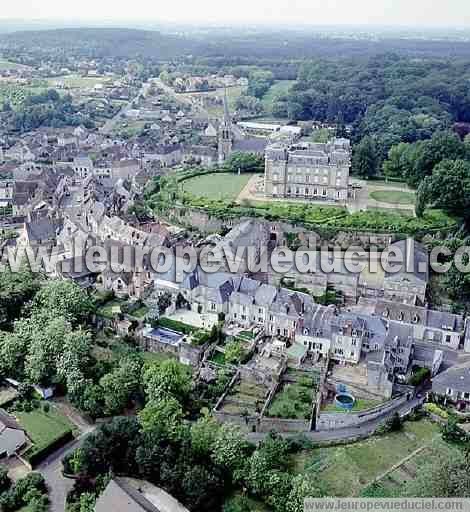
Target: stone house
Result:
[[453, 386], [431, 326]]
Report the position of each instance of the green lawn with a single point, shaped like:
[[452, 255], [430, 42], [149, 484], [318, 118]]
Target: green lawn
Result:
[[156, 357], [279, 88], [218, 357], [110, 309], [345, 470], [393, 196], [140, 313], [44, 428], [294, 401], [359, 405], [217, 186]]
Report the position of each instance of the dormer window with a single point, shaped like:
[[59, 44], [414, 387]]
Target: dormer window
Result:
[[415, 319]]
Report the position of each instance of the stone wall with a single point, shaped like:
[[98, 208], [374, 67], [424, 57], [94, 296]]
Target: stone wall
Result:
[[281, 425], [336, 237], [336, 420], [246, 422]]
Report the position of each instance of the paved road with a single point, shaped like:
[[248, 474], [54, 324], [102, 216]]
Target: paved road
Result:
[[343, 434], [51, 470]]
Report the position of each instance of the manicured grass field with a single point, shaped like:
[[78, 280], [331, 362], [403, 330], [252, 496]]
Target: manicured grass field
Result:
[[393, 196], [44, 428], [345, 470], [217, 186]]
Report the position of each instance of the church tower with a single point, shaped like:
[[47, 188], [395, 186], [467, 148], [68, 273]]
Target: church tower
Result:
[[225, 137]]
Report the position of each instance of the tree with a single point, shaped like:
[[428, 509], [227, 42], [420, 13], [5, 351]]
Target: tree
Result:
[[164, 301], [303, 486], [444, 475], [111, 448], [448, 188], [121, 385], [234, 352], [203, 435], [163, 416], [430, 153], [230, 447], [245, 162], [365, 162], [5, 481], [16, 290], [166, 379], [63, 298], [13, 350], [46, 343], [400, 160]]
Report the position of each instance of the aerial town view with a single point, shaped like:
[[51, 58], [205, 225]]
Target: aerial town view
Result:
[[234, 256]]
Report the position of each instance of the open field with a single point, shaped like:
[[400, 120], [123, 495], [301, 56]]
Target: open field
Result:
[[44, 428], [6, 64], [279, 88], [393, 196], [217, 186], [345, 470], [77, 81]]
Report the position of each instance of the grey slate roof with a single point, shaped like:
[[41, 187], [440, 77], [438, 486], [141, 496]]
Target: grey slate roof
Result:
[[456, 378], [122, 497], [415, 265]]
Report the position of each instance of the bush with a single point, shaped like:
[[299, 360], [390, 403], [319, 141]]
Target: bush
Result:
[[435, 409], [174, 325], [419, 376], [5, 481]]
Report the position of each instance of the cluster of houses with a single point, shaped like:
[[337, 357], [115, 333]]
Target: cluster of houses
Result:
[[69, 190], [389, 332]]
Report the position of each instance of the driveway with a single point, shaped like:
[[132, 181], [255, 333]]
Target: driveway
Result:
[[51, 470]]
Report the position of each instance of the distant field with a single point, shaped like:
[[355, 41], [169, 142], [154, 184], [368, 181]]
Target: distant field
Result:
[[78, 82], [6, 64], [278, 88], [217, 186], [393, 196], [345, 470]]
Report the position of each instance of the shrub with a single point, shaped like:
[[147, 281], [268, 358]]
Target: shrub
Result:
[[419, 376], [435, 409]]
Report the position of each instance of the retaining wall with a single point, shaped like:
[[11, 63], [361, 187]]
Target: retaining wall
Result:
[[336, 420]]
